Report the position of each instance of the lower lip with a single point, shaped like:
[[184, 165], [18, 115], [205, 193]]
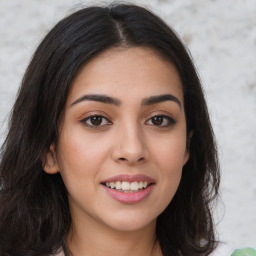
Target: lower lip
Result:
[[129, 198]]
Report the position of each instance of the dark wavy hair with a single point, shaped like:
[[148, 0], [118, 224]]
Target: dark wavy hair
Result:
[[34, 210]]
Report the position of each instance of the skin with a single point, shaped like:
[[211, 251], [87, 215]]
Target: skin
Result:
[[127, 141]]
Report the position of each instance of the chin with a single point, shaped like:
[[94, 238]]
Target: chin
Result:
[[129, 223]]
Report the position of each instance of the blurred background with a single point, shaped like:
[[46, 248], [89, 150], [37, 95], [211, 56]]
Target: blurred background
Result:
[[221, 36]]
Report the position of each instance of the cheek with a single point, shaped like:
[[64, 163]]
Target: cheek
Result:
[[80, 164], [78, 161], [80, 152], [169, 159], [171, 153]]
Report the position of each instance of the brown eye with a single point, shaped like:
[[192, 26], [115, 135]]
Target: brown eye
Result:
[[157, 120], [161, 121], [95, 120]]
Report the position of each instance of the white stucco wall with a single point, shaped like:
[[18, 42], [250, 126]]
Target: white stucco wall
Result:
[[221, 36]]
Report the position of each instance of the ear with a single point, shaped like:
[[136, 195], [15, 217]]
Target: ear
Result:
[[49, 161], [187, 153]]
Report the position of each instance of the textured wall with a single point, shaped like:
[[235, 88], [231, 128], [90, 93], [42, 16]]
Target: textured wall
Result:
[[221, 36]]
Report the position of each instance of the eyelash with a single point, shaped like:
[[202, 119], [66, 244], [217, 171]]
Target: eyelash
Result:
[[89, 118], [170, 121]]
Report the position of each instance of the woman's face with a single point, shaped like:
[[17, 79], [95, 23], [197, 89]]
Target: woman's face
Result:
[[122, 142]]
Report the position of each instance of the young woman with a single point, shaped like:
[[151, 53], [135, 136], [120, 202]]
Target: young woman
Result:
[[110, 149]]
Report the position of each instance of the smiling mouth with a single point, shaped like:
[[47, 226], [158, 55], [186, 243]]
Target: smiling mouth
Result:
[[128, 187]]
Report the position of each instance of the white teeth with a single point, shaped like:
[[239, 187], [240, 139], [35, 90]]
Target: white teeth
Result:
[[141, 183], [112, 184], [134, 185], [127, 186], [118, 185]]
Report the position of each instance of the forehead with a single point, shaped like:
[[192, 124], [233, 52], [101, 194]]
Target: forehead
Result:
[[131, 72]]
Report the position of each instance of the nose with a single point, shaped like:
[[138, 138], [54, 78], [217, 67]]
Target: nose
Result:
[[130, 146]]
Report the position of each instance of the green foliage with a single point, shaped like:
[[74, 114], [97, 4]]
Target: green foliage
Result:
[[244, 252]]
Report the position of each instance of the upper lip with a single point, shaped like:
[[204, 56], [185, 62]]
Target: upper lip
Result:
[[129, 178]]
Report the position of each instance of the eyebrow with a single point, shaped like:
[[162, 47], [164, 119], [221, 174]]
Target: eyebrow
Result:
[[99, 98], [114, 101], [160, 98]]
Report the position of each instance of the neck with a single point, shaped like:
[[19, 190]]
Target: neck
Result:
[[89, 237]]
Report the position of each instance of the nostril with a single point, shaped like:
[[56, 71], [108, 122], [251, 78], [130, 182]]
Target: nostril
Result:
[[124, 159]]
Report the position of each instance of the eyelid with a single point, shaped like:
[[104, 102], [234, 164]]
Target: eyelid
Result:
[[171, 120], [93, 114]]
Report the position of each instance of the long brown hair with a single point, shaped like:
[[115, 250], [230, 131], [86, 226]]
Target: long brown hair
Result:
[[34, 210]]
